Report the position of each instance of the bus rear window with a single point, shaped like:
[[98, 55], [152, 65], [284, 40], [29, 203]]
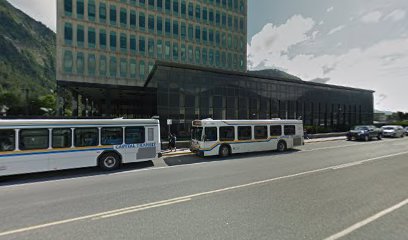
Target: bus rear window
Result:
[[134, 135], [7, 140], [34, 139]]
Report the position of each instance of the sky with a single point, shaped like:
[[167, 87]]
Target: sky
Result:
[[356, 43]]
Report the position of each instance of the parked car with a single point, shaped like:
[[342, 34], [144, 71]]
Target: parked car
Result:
[[406, 131], [366, 133], [393, 131]]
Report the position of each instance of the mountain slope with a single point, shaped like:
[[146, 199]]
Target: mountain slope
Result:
[[27, 56]]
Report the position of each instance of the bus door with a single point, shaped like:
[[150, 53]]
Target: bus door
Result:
[[210, 138]]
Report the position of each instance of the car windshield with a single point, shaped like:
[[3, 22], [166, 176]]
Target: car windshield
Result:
[[388, 128], [196, 133], [361, 128]]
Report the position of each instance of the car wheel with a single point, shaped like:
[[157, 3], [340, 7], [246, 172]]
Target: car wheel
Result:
[[281, 146], [348, 138], [366, 138], [109, 161], [379, 137], [224, 151]]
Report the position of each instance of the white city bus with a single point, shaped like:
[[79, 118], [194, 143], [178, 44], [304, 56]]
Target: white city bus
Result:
[[28, 146], [226, 137]]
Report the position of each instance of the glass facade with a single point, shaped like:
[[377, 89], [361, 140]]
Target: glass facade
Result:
[[146, 31], [186, 93]]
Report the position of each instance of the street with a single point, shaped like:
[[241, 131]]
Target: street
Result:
[[326, 190]]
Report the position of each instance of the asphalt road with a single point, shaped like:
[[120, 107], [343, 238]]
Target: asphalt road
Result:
[[329, 190]]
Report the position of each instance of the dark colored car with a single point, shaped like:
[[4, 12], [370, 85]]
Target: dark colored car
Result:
[[366, 133]]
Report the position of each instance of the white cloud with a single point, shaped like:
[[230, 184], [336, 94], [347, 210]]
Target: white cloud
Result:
[[44, 11], [336, 29], [372, 17], [330, 9], [396, 15], [382, 67], [278, 39]]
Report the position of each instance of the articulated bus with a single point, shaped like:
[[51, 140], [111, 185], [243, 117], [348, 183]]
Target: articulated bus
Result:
[[28, 146], [226, 137]]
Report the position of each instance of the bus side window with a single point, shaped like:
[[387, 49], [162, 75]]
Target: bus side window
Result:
[[227, 134], [276, 130], [290, 130], [85, 137], [261, 132], [211, 134], [61, 138], [134, 135], [150, 134], [111, 135], [7, 140], [34, 139], [244, 133]]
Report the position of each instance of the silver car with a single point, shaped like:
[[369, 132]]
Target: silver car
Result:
[[406, 131], [393, 131]]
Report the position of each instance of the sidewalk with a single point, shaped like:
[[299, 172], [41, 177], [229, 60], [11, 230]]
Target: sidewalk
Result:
[[186, 151]]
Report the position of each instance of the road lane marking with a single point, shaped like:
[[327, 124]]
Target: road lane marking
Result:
[[177, 166], [181, 199], [367, 221], [367, 160]]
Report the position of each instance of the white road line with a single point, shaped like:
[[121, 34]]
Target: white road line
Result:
[[131, 209], [367, 221]]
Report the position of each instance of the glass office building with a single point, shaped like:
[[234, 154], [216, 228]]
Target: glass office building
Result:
[[186, 92], [116, 42]]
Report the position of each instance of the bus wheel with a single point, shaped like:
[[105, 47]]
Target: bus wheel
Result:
[[109, 161], [224, 151], [281, 146]]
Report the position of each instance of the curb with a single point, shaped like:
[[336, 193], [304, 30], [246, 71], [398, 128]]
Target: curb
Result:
[[327, 140]]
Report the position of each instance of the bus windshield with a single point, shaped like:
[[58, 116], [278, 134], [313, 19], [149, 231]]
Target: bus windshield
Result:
[[196, 133]]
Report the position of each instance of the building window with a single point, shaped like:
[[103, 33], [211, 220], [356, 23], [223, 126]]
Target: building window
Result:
[[167, 27], [224, 19], [68, 61], [142, 69], [159, 48], [183, 30], [102, 12], [132, 19], [133, 2], [159, 5], [151, 65], [190, 32], [175, 51], [91, 38], [229, 41], [150, 47], [205, 14], [123, 17], [241, 24], [175, 28], [102, 38], [217, 38], [204, 56], [183, 52], [167, 50], [123, 67], [102, 66], [175, 7], [132, 43], [91, 64], [68, 33], [112, 67], [91, 10], [198, 12], [150, 23], [190, 54], [197, 33], [197, 55], [151, 4], [112, 41], [159, 25], [80, 63], [142, 3], [217, 18], [229, 21], [80, 9], [167, 6], [211, 36], [217, 58], [211, 57], [183, 8], [68, 7], [190, 10], [142, 21], [223, 59], [241, 6], [211, 16], [142, 45], [80, 36], [205, 35], [132, 68], [123, 42], [112, 15], [223, 40]]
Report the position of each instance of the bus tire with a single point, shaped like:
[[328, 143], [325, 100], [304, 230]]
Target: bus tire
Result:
[[109, 161], [224, 151], [281, 147]]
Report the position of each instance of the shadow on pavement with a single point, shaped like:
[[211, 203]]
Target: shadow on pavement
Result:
[[68, 174], [193, 159]]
